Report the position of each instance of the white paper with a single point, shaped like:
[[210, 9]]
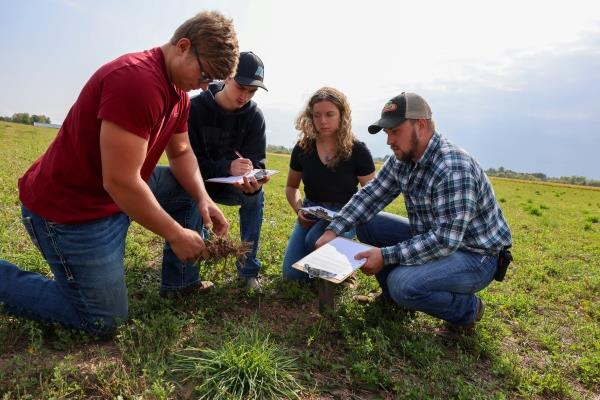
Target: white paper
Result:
[[240, 178], [335, 257], [318, 211]]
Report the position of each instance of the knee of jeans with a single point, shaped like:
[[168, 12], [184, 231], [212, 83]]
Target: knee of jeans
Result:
[[404, 291], [105, 315], [103, 326], [362, 233]]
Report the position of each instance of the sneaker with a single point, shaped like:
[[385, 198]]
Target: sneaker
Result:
[[203, 287], [252, 283], [351, 282], [480, 310], [468, 329]]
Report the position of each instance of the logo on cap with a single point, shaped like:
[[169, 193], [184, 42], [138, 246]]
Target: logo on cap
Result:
[[260, 71], [389, 107]]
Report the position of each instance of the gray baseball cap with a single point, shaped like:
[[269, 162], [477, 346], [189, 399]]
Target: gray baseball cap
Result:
[[405, 106]]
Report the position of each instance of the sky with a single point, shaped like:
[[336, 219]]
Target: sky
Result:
[[515, 83]]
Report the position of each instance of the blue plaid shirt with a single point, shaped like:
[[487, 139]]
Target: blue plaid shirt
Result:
[[450, 203]]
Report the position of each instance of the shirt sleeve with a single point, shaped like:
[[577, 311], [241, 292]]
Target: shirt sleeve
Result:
[[369, 200], [295, 163], [454, 203], [131, 101]]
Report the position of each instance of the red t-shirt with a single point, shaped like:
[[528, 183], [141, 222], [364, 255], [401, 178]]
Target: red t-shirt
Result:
[[65, 184]]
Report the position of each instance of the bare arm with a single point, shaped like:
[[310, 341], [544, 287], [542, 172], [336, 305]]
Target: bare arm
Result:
[[365, 178], [184, 167], [292, 191], [123, 154]]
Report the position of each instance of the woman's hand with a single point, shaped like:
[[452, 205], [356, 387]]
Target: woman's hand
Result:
[[304, 220]]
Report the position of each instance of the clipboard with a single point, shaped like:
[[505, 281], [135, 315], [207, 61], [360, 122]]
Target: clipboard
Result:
[[320, 212], [333, 261], [256, 173]]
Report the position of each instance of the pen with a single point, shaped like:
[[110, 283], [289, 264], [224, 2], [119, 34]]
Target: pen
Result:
[[237, 153]]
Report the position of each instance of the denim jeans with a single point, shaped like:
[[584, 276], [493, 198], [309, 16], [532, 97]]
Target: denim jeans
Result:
[[251, 217], [443, 288], [88, 290], [302, 242]]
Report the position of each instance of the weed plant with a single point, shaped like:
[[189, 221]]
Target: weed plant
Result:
[[247, 366]]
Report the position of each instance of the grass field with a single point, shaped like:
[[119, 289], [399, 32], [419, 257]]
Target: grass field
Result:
[[539, 338]]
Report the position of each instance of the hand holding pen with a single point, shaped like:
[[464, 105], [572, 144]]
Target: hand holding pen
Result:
[[240, 166]]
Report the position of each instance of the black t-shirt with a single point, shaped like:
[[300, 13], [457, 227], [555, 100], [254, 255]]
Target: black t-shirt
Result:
[[328, 185]]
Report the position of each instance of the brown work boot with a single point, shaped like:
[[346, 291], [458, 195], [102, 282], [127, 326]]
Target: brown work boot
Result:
[[385, 304], [468, 329], [366, 298], [201, 288], [351, 282]]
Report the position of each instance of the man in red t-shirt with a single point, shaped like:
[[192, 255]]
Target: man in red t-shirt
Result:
[[100, 172]]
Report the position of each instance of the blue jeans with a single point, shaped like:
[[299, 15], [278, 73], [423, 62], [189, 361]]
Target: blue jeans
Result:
[[88, 290], [251, 216], [443, 288], [302, 242]]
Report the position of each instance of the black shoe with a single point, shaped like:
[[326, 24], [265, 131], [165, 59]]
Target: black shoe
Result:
[[468, 329], [203, 287]]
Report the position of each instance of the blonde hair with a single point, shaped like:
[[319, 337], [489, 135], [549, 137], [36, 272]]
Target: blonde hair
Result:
[[344, 137], [214, 39]]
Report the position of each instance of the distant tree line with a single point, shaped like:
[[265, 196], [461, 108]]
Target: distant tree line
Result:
[[278, 149], [25, 118], [284, 150], [538, 176]]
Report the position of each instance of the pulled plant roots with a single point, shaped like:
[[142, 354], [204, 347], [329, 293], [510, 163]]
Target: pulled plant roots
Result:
[[221, 247]]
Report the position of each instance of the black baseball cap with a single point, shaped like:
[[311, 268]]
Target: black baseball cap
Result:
[[250, 70], [402, 107]]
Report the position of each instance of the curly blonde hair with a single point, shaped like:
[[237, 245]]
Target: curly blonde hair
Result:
[[213, 37], [344, 136]]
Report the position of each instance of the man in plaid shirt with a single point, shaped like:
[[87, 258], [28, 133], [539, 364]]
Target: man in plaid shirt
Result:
[[448, 248]]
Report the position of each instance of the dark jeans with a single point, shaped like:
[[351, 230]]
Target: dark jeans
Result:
[[88, 290], [443, 288], [251, 216]]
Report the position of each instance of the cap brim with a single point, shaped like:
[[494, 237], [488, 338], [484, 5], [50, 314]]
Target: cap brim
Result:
[[385, 123], [250, 82]]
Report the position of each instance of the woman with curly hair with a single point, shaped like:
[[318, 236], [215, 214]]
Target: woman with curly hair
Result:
[[330, 161]]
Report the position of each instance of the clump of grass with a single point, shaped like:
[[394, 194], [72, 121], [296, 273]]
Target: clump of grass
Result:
[[533, 210], [246, 366], [502, 200], [587, 226], [544, 207], [592, 220]]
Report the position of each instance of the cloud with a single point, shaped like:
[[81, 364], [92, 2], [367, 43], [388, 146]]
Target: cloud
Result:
[[542, 116], [537, 113]]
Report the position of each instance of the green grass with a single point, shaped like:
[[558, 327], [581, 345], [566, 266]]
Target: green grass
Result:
[[539, 338], [246, 365]]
